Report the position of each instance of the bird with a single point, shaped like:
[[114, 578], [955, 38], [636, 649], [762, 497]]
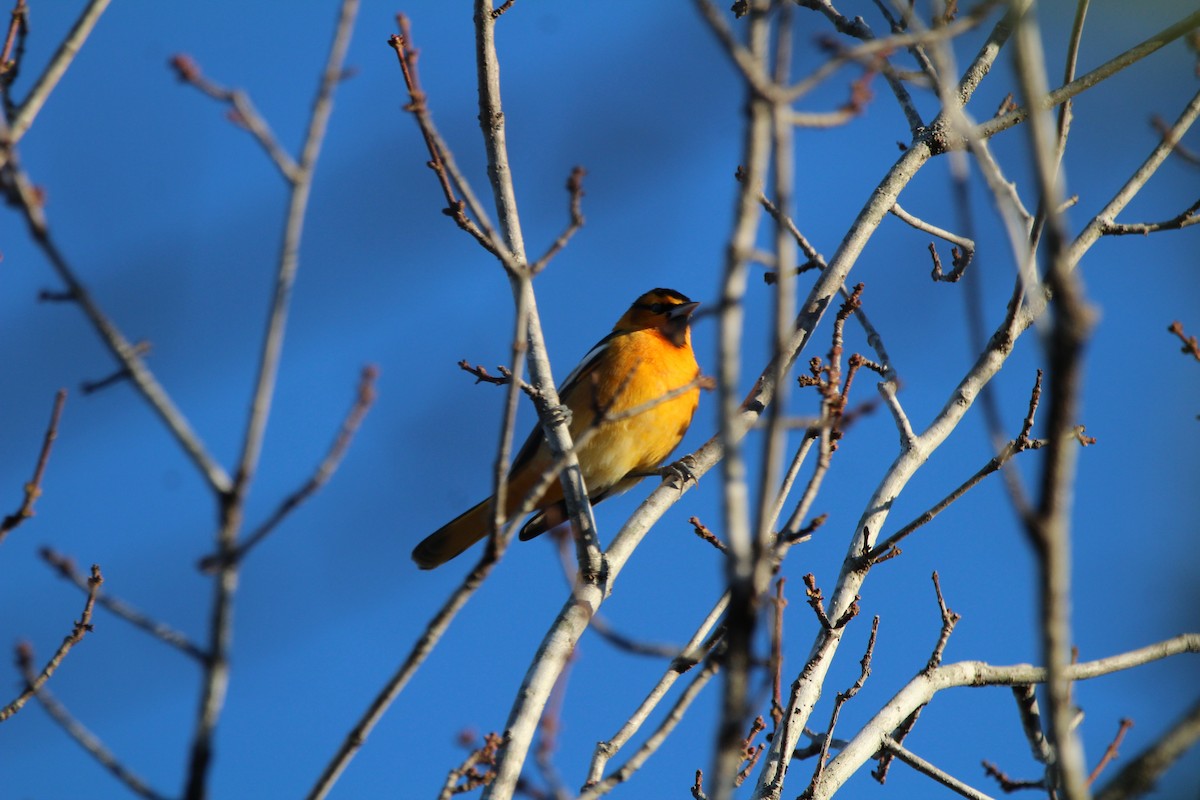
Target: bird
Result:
[[631, 400]]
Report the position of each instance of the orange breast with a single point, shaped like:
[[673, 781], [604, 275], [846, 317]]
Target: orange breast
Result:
[[640, 369]]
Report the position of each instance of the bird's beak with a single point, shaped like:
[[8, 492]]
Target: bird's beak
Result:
[[682, 311]]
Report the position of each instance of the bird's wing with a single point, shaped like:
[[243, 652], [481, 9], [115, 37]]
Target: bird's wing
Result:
[[565, 390], [587, 363]]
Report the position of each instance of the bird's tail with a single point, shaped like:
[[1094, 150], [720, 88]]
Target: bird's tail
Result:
[[454, 537]]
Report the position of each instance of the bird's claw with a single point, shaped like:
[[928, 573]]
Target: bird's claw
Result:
[[559, 414], [682, 470]]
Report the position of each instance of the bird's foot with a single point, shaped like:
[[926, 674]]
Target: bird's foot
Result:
[[682, 470]]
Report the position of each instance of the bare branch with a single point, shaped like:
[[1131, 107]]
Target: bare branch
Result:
[[364, 398], [575, 189], [651, 745], [1140, 775], [1190, 343], [1090, 79], [1110, 752], [949, 620], [1188, 216], [25, 653], [65, 567], [241, 112], [421, 649], [59, 62], [23, 194], [921, 689], [926, 768], [33, 489], [697, 648], [91, 743], [216, 676]]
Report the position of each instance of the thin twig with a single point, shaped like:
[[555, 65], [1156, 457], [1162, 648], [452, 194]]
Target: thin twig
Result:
[[1187, 217], [842, 698], [441, 161], [33, 489], [966, 244], [416, 656], [888, 547], [707, 535], [91, 743], [1110, 752], [697, 648], [23, 194], [25, 653], [924, 767], [468, 776], [241, 112], [651, 745], [364, 398], [1190, 344], [18, 27], [1009, 785], [1139, 776], [949, 620], [779, 603], [575, 190], [65, 567]]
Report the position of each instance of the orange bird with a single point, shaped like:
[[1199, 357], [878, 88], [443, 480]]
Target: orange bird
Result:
[[645, 366]]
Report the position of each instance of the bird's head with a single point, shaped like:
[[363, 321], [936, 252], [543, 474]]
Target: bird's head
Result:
[[665, 310]]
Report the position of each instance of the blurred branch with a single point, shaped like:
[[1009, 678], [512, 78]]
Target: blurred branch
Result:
[[25, 653], [65, 567], [441, 159], [215, 680], [1188, 156], [1140, 775], [1049, 524], [89, 742], [241, 112], [364, 397], [33, 489], [1190, 344], [1107, 215], [23, 118], [21, 193], [1090, 79]]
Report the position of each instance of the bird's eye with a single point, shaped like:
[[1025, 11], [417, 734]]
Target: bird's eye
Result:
[[657, 308]]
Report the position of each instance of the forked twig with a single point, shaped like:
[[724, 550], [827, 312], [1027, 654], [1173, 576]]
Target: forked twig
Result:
[[363, 399], [241, 112], [25, 653], [65, 567]]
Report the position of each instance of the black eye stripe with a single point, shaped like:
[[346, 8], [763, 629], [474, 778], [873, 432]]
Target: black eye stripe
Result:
[[653, 308]]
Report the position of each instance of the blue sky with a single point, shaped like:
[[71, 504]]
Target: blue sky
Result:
[[172, 218]]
